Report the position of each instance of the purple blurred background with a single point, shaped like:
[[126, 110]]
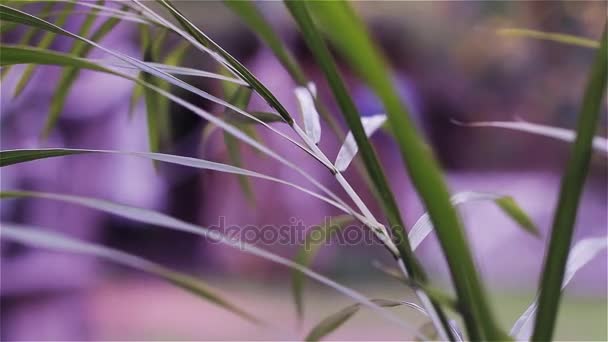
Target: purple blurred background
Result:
[[449, 63]]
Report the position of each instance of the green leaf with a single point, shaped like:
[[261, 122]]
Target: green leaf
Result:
[[240, 99], [580, 255], [350, 36], [230, 61], [45, 42], [423, 226], [510, 207], [12, 54], [138, 89], [306, 254], [159, 219], [69, 76], [569, 196], [27, 36], [551, 36], [299, 12], [332, 322], [42, 238], [10, 157], [248, 12]]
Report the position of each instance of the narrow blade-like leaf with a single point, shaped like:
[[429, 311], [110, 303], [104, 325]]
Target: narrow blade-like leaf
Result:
[[551, 36], [580, 255], [45, 42], [423, 227], [42, 238], [159, 219], [599, 143], [306, 254], [332, 322], [569, 196], [349, 148]]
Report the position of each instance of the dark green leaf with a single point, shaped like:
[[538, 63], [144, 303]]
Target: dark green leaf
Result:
[[306, 254]]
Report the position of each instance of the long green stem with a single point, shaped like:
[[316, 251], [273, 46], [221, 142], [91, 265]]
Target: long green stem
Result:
[[569, 197]]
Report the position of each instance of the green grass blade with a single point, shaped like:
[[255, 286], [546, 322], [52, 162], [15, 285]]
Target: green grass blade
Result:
[[248, 12], [299, 12], [569, 197], [348, 33], [423, 226], [240, 98], [551, 36], [10, 157], [332, 322], [69, 76], [42, 238], [231, 62], [580, 255], [138, 89], [27, 36], [306, 254], [45, 42], [12, 54], [161, 220]]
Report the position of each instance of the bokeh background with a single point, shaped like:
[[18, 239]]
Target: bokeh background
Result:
[[449, 63]]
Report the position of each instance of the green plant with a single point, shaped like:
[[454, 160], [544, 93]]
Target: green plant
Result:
[[319, 23]]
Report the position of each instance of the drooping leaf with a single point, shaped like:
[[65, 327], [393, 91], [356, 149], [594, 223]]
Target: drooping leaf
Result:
[[580, 255], [159, 219], [423, 227], [599, 143], [225, 58], [315, 238], [16, 15], [7, 13], [240, 99], [27, 36], [42, 238], [45, 42], [332, 322], [312, 122], [69, 75], [570, 194], [349, 148], [551, 36], [10, 157]]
